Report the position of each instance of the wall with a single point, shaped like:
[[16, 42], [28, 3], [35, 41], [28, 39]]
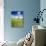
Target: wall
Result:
[[43, 6], [29, 7]]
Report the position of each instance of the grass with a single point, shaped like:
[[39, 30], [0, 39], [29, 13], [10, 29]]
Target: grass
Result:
[[17, 22]]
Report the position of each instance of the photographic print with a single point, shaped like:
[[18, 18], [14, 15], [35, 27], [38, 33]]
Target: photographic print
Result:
[[17, 19]]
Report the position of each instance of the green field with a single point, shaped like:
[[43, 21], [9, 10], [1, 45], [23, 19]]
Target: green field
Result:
[[17, 22]]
